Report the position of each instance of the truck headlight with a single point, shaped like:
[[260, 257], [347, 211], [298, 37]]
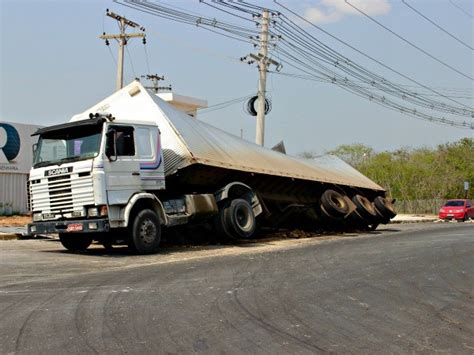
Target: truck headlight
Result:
[[37, 217], [104, 210], [92, 212]]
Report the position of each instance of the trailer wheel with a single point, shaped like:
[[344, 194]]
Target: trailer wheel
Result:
[[75, 241], [364, 208], [237, 219], [334, 203], [145, 233], [385, 207], [372, 227]]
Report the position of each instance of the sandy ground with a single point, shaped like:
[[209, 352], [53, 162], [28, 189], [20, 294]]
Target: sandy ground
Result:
[[14, 221]]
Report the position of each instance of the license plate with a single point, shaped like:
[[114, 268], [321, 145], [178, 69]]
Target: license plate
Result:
[[450, 215], [74, 227]]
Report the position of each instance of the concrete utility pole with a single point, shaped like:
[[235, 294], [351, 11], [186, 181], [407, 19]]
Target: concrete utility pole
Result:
[[122, 39], [262, 82], [263, 61]]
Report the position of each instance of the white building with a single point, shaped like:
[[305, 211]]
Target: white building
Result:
[[16, 156]]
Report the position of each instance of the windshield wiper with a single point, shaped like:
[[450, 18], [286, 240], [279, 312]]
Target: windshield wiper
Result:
[[69, 159], [43, 163]]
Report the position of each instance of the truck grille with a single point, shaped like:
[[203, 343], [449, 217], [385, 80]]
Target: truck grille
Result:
[[61, 194]]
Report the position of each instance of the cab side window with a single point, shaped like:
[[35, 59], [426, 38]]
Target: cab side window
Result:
[[144, 143], [124, 140]]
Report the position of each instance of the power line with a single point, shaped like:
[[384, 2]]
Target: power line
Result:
[[363, 75], [365, 54], [361, 91], [438, 26], [460, 8], [307, 54], [146, 58], [408, 42], [326, 81], [224, 104], [131, 62]]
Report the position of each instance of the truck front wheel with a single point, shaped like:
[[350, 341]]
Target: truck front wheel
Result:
[[145, 233], [75, 241]]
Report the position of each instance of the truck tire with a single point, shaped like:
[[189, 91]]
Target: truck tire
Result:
[[364, 208], [145, 233], [384, 207], [75, 241], [237, 219], [334, 203]]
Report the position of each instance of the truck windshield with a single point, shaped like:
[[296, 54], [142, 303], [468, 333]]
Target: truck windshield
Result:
[[58, 147]]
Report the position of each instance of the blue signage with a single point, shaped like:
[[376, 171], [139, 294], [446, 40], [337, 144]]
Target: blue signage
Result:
[[11, 145]]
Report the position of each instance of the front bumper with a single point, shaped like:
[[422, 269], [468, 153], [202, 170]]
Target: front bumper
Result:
[[457, 215], [52, 227]]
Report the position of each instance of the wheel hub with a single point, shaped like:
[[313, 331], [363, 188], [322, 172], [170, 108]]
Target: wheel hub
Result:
[[147, 231]]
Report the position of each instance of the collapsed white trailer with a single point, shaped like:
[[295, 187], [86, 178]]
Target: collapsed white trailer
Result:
[[134, 163]]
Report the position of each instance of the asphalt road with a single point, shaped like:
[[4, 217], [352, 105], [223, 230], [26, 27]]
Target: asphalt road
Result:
[[406, 289]]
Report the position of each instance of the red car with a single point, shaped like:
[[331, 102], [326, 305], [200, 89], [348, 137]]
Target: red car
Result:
[[460, 209]]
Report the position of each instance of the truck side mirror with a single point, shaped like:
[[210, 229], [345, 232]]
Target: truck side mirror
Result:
[[110, 145]]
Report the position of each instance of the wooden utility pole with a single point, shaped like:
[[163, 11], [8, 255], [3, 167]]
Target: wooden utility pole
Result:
[[155, 80], [122, 39]]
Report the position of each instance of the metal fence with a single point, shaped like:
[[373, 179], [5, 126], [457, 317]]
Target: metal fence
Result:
[[419, 206], [13, 192]]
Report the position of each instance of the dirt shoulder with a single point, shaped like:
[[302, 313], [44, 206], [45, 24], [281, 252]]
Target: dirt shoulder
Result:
[[14, 221]]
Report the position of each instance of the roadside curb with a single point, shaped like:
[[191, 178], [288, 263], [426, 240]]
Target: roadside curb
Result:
[[418, 221]]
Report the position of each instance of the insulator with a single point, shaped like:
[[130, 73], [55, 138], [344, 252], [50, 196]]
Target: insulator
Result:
[[107, 42], [144, 40]]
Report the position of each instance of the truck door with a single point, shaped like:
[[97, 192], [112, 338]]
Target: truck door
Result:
[[152, 173], [122, 169]]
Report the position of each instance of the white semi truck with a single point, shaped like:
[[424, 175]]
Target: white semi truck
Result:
[[133, 164]]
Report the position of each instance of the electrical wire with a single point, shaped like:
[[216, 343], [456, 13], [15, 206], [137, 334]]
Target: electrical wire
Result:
[[408, 42], [461, 9], [363, 92], [224, 104], [362, 53], [131, 62], [108, 47], [304, 52], [438, 26], [146, 58]]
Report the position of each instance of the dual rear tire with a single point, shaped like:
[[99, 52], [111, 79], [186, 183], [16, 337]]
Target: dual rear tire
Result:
[[236, 220]]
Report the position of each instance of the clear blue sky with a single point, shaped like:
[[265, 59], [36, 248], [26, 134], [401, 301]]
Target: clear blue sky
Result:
[[53, 65]]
